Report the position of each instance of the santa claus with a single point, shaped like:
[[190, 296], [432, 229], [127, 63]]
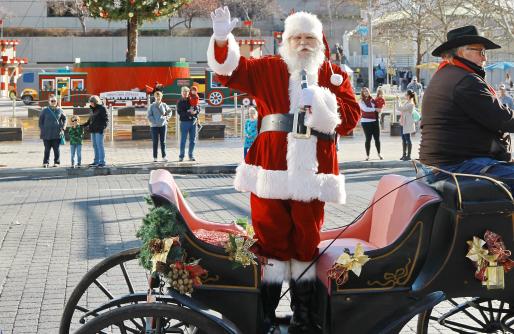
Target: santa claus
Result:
[[290, 175]]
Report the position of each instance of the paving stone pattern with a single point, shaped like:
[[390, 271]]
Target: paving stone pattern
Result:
[[52, 231]]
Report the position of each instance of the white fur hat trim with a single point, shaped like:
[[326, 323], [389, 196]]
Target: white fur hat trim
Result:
[[302, 22]]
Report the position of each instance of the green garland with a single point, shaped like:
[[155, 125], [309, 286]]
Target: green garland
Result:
[[143, 10], [159, 223]]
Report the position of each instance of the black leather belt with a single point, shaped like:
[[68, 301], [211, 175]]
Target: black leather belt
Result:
[[284, 123]]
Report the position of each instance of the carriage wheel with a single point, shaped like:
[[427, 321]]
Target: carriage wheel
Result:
[[153, 318], [106, 282], [216, 98], [468, 315]]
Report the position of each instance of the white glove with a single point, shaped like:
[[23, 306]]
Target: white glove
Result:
[[222, 25], [307, 96]]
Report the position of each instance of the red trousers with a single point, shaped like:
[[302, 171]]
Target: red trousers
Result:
[[287, 229]]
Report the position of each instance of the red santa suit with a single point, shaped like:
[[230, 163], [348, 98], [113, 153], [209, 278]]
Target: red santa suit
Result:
[[289, 178]]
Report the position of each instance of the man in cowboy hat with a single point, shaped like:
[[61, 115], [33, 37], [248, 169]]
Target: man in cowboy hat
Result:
[[290, 176], [464, 123]]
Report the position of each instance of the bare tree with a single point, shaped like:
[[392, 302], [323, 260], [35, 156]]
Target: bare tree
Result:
[[498, 15], [75, 8], [252, 9], [197, 8]]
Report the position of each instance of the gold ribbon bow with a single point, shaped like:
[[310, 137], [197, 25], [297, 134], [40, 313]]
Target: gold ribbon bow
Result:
[[479, 254], [353, 262]]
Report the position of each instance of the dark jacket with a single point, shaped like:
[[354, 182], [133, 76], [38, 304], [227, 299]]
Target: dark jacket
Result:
[[461, 117], [183, 109], [51, 123], [97, 122]]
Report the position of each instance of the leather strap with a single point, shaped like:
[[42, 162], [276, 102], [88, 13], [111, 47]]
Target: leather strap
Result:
[[284, 123]]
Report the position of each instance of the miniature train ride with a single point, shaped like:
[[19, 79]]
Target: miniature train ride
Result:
[[441, 252]]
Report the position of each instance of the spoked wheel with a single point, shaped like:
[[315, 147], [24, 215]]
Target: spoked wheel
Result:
[[468, 315], [154, 318], [116, 281]]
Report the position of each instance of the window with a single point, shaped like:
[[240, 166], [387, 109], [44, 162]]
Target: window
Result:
[[77, 84], [215, 84], [48, 85], [28, 77], [57, 8]]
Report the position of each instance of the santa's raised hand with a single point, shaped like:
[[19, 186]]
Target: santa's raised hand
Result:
[[222, 24]]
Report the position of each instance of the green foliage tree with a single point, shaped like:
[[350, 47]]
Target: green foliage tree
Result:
[[135, 12]]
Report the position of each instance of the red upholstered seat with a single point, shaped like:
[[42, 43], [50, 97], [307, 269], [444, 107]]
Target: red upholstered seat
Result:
[[382, 224], [162, 184]]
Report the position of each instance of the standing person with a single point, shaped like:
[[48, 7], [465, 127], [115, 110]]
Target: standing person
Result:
[[52, 123], [188, 119], [508, 80], [504, 98], [407, 122], [380, 103], [158, 115], [464, 123], [250, 129], [76, 132], [369, 121], [290, 177], [415, 86], [97, 123]]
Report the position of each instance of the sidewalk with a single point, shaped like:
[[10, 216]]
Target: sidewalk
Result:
[[213, 156]]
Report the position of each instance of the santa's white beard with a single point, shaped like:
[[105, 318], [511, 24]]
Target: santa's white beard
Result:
[[296, 62]]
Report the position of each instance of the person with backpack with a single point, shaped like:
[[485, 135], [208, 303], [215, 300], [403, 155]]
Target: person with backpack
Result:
[[52, 123]]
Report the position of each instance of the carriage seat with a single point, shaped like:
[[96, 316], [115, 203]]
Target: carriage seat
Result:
[[163, 185], [382, 224]]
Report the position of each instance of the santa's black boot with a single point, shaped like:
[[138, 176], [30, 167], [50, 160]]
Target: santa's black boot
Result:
[[302, 298], [270, 295]]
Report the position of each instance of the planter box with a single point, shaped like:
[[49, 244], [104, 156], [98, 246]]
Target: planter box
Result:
[[212, 131], [141, 132], [34, 112], [11, 134], [127, 111], [213, 110]]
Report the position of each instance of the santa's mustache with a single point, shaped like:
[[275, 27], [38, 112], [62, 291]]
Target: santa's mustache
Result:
[[305, 47]]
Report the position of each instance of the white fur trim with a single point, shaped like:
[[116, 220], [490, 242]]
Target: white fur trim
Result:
[[302, 22], [278, 184], [276, 271], [324, 116], [301, 154], [297, 268], [230, 63], [336, 79]]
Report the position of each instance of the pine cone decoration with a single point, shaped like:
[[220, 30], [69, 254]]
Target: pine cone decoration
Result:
[[156, 245]]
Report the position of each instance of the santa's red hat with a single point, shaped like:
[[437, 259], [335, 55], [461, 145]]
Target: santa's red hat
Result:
[[307, 23]]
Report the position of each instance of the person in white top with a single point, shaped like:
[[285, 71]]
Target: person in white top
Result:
[[407, 122]]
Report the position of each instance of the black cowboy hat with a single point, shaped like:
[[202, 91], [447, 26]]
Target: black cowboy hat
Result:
[[463, 36]]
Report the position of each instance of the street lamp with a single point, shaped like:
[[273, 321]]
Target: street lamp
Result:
[[370, 48]]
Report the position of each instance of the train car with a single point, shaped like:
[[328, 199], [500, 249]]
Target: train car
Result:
[[68, 85], [219, 95]]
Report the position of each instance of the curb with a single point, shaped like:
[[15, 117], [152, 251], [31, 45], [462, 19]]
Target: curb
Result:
[[172, 168]]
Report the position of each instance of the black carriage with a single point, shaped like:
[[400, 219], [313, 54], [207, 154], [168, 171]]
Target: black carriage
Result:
[[416, 237]]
